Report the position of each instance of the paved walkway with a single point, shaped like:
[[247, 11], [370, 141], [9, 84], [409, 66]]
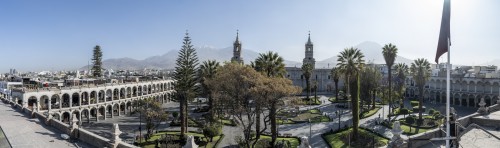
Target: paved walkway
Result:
[[24, 132]]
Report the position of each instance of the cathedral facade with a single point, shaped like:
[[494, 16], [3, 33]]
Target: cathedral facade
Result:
[[320, 76]]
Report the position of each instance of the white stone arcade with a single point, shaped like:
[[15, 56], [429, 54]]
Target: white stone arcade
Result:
[[93, 102]]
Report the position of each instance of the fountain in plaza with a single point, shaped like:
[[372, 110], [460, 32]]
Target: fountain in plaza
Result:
[[396, 140]]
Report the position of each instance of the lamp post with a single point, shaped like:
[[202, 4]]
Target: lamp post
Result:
[[338, 114]]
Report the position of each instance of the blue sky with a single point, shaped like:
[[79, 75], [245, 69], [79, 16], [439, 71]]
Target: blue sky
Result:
[[60, 34]]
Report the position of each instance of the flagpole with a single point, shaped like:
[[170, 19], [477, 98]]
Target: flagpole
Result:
[[448, 67]]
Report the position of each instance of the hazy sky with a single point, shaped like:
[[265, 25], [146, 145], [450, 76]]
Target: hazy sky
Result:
[[53, 35]]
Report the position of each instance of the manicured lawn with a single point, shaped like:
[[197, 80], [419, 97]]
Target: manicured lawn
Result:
[[334, 100], [413, 131], [314, 111], [313, 114], [312, 101], [340, 139], [370, 113], [227, 122], [151, 142], [293, 140]]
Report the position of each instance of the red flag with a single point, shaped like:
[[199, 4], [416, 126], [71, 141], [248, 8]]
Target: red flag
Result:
[[444, 34]]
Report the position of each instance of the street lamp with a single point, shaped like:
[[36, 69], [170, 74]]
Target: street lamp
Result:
[[338, 113]]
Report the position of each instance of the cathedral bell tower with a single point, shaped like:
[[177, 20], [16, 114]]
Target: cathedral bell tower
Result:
[[309, 58], [237, 50]]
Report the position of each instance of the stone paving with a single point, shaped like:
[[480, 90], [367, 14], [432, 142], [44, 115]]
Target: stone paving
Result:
[[24, 132]]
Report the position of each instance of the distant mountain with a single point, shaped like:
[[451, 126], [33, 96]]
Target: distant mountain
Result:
[[372, 52], [167, 60]]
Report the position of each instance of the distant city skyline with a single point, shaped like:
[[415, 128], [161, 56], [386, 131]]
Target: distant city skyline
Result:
[[56, 34]]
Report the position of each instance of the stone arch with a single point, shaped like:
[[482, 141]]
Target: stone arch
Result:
[[456, 99], [487, 100], [101, 96], [55, 102], [76, 99], [116, 109], [93, 97], [471, 101], [85, 98], [149, 89], [78, 116], [86, 115], [123, 108], [32, 101], [144, 90], [44, 102], [129, 92], [109, 94], [109, 111], [139, 90], [66, 117], [116, 94], [495, 87], [464, 100], [134, 91], [122, 93], [101, 112], [94, 113], [56, 116], [129, 106]]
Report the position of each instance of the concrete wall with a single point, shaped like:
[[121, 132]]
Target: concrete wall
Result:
[[464, 121], [82, 134]]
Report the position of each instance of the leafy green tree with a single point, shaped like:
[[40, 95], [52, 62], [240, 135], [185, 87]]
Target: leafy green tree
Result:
[[271, 65], [232, 84], [402, 70], [370, 78], [97, 62], [350, 62], [335, 76], [212, 130], [421, 71], [404, 111], [208, 70], [153, 114], [390, 52], [272, 92], [185, 75], [307, 72]]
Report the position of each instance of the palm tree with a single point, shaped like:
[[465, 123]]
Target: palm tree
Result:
[[307, 72], [335, 76], [421, 71], [402, 70], [208, 70], [271, 65], [350, 62], [390, 52]]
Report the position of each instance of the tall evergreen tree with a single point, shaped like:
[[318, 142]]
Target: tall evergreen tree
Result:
[[97, 62], [186, 78]]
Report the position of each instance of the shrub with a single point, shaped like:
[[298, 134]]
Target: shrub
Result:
[[410, 119], [404, 111], [175, 114], [414, 103], [431, 111], [211, 131]]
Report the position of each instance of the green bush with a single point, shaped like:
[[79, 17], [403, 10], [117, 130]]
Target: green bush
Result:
[[431, 111], [211, 131], [410, 119], [404, 111], [414, 103]]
